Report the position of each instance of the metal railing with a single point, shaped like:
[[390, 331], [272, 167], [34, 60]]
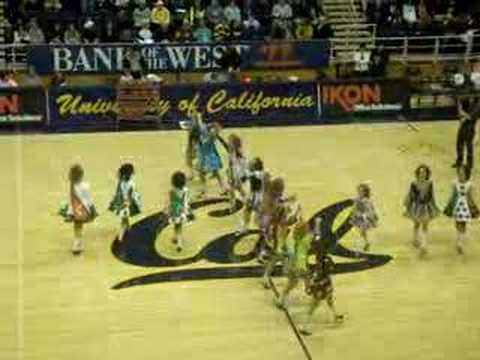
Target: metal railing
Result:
[[432, 49]]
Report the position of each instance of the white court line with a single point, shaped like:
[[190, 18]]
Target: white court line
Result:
[[20, 255]]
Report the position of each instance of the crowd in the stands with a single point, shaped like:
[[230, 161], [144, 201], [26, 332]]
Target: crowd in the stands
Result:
[[424, 17], [148, 21]]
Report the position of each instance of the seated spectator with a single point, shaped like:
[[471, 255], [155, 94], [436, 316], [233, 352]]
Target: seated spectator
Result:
[[232, 13], [10, 77], [110, 31], [304, 29], [35, 33], [126, 77], [56, 40], [90, 32], [261, 10], [21, 36], [202, 33], [57, 33], [141, 14], [72, 35], [184, 33], [300, 9], [4, 80], [230, 60], [222, 32], [160, 20], [475, 76], [53, 5], [145, 36], [323, 29], [282, 12], [33, 6], [32, 78], [379, 62], [252, 29], [105, 6], [361, 60], [214, 13], [123, 4], [58, 79], [409, 15]]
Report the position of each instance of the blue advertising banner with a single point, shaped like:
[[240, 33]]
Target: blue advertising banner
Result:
[[84, 108], [73, 108], [105, 59]]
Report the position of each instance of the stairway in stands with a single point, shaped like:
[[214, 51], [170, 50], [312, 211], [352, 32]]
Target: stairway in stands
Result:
[[350, 26]]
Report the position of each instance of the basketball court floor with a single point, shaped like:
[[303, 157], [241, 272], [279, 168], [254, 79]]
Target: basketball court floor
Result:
[[148, 303]]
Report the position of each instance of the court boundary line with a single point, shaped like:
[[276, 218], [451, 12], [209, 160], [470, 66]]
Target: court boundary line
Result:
[[294, 327], [20, 252]]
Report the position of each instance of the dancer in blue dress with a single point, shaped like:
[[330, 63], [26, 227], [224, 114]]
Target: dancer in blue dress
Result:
[[209, 159]]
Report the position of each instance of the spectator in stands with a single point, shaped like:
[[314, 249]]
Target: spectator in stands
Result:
[[21, 35], [135, 62], [323, 29], [261, 10], [11, 79], [126, 77], [409, 14], [214, 13], [232, 13], [56, 34], [32, 78], [160, 20], [35, 33], [475, 76], [361, 60], [141, 14], [72, 35], [282, 15], [33, 6], [90, 32], [202, 33], [303, 29], [58, 79], [221, 31], [184, 33], [300, 9], [53, 5], [230, 60], [144, 35], [252, 29], [379, 62], [3, 80]]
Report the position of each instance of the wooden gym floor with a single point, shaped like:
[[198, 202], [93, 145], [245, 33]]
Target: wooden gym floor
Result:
[[57, 307]]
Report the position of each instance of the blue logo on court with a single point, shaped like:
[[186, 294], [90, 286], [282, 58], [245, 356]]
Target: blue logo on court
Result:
[[138, 248]]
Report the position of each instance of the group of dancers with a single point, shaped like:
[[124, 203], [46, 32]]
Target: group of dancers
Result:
[[286, 236]]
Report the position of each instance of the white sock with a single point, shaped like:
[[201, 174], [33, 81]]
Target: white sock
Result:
[[423, 239], [461, 240]]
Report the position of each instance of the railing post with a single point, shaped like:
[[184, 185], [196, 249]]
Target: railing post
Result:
[[436, 50], [469, 47], [405, 50]]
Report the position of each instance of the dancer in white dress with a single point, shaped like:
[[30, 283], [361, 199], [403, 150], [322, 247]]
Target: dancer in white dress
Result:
[[461, 207]]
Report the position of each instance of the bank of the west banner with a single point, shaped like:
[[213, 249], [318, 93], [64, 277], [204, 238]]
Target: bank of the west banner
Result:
[[105, 59], [76, 108]]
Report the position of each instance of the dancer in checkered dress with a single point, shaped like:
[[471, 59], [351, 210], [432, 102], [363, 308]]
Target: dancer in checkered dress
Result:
[[420, 206], [364, 216], [462, 207]]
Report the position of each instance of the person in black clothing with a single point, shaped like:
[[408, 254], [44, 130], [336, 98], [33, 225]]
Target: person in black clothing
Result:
[[468, 113]]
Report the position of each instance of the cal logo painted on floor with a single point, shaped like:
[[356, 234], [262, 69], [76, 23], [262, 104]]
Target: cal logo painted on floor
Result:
[[138, 248]]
